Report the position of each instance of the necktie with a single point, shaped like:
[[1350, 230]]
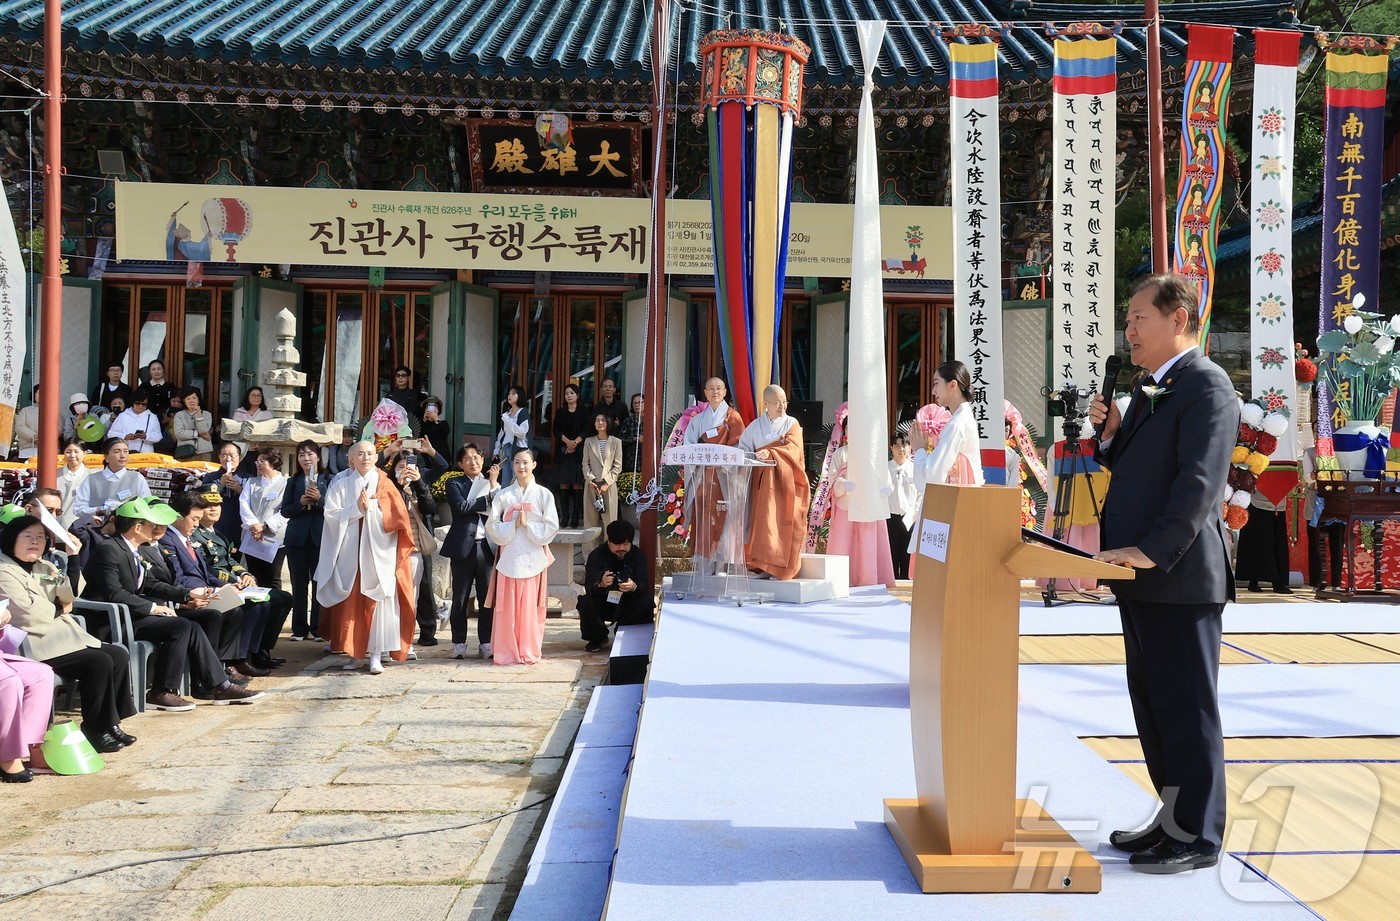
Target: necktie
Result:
[[140, 570]]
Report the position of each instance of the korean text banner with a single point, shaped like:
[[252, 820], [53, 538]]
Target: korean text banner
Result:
[[541, 233]]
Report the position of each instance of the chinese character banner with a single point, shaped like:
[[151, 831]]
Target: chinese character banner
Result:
[[486, 232], [974, 136], [12, 320], [1271, 245], [1085, 137], [1205, 100], [1353, 150]]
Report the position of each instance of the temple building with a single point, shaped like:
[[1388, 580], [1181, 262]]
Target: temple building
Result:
[[420, 96]]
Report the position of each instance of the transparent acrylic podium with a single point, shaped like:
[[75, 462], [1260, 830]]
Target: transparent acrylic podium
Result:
[[717, 507]]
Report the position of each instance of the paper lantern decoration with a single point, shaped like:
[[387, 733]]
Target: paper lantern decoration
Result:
[[751, 88]]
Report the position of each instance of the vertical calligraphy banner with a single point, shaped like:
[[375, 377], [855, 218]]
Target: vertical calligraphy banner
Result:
[[12, 321], [1085, 139], [975, 143], [1271, 244], [1086, 131], [1205, 101], [1354, 146]]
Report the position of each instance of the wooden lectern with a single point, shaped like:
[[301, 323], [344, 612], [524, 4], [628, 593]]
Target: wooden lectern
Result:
[[966, 831]]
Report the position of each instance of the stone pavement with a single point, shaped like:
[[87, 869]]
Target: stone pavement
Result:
[[325, 757]]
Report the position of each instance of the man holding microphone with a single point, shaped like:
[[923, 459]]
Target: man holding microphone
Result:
[[1169, 454]]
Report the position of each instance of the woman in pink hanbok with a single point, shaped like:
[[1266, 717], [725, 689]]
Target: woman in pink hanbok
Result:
[[865, 543]]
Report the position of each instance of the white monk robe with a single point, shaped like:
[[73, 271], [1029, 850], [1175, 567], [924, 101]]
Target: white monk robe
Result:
[[364, 582], [519, 592], [712, 426]]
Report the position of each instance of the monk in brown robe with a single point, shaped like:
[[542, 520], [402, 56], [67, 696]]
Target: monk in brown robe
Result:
[[365, 585], [778, 496], [717, 424]]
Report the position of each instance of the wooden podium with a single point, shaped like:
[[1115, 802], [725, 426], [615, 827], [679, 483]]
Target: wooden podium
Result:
[[966, 831]]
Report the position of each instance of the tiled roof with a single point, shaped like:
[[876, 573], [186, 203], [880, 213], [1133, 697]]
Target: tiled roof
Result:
[[571, 38]]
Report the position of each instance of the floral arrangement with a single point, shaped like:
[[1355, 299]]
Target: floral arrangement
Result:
[[1359, 361], [439, 487], [1260, 429], [673, 523]]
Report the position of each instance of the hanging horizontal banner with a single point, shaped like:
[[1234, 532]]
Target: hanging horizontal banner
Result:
[[540, 233], [1209, 54]]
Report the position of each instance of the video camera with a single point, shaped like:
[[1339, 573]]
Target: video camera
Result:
[[1071, 402]]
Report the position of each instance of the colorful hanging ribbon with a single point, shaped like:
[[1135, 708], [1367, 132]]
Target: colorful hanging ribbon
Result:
[[1209, 52]]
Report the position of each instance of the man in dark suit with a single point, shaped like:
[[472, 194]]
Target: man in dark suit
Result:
[[469, 497], [1169, 455], [236, 634], [115, 573]]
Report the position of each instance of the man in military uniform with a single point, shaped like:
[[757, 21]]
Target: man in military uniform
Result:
[[219, 556]]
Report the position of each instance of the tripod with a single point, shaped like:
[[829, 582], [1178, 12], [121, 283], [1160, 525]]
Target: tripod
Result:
[[1078, 466]]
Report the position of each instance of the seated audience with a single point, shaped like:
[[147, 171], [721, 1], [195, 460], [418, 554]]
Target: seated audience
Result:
[[219, 558], [39, 603], [71, 476], [138, 426], [26, 428], [192, 426], [112, 485], [115, 573], [26, 700]]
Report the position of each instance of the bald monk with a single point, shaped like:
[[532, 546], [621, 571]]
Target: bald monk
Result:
[[717, 424], [364, 585], [779, 496]]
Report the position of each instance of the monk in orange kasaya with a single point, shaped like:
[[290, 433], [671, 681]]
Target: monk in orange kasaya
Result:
[[779, 495]]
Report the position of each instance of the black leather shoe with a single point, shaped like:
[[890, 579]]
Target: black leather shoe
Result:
[[1134, 841], [1171, 856], [125, 738], [248, 670], [262, 660], [105, 742], [425, 640]]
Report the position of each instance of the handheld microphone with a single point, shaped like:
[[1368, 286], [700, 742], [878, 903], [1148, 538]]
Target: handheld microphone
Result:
[[1110, 377]]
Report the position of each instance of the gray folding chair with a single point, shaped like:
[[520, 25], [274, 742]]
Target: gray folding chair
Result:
[[116, 619]]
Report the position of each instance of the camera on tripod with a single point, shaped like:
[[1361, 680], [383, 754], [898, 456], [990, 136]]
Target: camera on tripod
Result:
[[1071, 402]]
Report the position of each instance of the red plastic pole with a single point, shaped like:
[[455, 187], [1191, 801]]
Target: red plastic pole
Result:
[[50, 316], [1156, 141]]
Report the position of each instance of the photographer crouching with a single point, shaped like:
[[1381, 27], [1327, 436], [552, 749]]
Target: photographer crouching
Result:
[[617, 588]]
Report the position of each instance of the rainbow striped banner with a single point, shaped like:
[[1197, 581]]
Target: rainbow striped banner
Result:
[[974, 137], [1209, 53]]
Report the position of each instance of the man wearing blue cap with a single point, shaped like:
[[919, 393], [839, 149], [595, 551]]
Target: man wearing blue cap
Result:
[[116, 574]]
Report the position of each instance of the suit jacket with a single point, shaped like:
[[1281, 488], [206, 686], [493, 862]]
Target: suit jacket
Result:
[[189, 571], [467, 516], [1169, 464], [304, 522], [111, 577]]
